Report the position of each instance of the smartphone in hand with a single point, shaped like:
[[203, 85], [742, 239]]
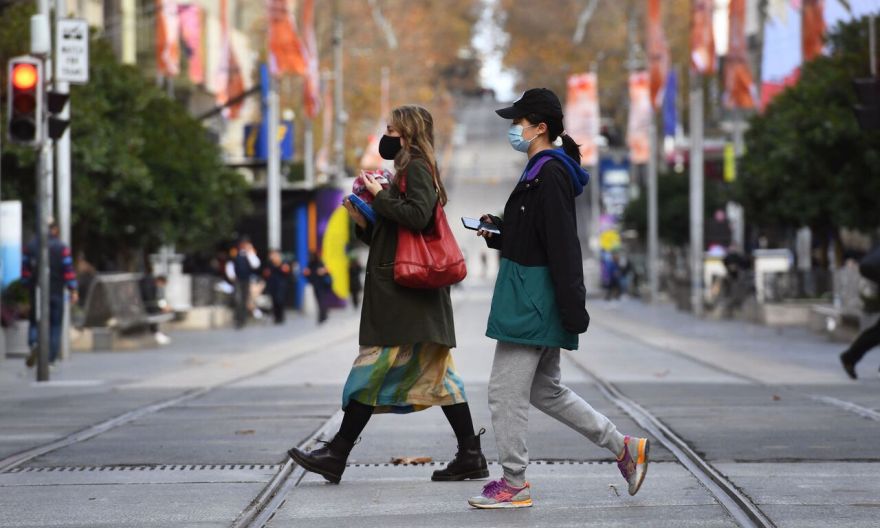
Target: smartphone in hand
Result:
[[475, 225]]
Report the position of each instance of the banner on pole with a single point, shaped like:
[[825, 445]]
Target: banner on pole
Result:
[[312, 91], [167, 38], [582, 115], [670, 105], [739, 85], [191, 35], [812, 28], [658, 53], [702, 37], [639, 125], [285, 47]]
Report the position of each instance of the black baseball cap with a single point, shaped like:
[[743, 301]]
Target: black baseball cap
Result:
[[539, 101]]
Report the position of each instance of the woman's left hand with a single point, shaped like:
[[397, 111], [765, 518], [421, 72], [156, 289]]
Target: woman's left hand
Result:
[[371, 184]]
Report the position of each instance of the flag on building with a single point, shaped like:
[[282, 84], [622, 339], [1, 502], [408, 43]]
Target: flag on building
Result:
[[639, 125], [658, 53], [812, 28], [739, 85], [167, 38], [190, 17], [285, 46], [702, 37], [582, 115]]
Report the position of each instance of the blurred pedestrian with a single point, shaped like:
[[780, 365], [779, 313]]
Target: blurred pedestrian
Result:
[[61, 276], [153, 295], [322, 284], [870, 338], [240, 269], [354, 281], [538, 306], [406, 334], [613, 287], [277, 275]]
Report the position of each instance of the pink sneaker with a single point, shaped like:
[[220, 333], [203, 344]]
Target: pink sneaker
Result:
[[633, 465], [499, 494]]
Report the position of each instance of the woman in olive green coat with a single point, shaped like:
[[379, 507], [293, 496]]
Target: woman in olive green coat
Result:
[[406, 335]]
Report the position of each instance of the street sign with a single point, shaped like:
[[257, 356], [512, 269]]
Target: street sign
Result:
[[73, 51]]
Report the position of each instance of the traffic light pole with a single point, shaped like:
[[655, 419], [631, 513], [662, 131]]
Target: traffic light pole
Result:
[[63, 178], [43, 300]]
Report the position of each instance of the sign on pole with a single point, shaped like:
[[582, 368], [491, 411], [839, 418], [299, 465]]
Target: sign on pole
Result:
[[73, 51]]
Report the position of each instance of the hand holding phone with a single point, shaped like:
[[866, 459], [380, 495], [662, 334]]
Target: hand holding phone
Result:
[[477, 225]]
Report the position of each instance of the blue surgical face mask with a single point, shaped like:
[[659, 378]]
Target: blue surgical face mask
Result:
[[515, 137]]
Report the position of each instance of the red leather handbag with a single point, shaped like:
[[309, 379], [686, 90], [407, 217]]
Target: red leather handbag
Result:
[[428, 259]]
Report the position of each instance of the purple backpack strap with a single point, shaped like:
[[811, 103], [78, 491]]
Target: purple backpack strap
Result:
[[536, 168]]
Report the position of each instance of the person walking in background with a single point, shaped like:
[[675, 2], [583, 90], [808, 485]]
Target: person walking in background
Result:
[[240, 268], [538, 306], [153, 295], [318, 276], [61, 276], [406, 334], [354, 281], [870, 338], [277, 275]]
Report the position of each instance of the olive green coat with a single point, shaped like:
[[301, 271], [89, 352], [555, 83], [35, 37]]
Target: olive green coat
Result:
[[393, 315]]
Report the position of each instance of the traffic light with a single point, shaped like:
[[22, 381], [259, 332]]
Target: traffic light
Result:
[[25, 104], [55, 103], [868, 108]]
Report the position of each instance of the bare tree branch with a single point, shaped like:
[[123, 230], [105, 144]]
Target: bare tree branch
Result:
[[585, 17]]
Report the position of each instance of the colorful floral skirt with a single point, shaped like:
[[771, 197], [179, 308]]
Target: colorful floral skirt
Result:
[[404, 379]]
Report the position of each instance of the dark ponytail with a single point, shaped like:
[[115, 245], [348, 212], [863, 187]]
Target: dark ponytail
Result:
[[571, 148], [555, 129]]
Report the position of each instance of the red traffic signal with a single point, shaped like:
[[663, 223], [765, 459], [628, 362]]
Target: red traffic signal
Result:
[[25, 104], [24, 76]]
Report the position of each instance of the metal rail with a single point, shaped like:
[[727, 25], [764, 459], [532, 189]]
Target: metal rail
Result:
[[738, 505]]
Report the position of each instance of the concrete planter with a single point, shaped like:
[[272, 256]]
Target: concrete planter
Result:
[[788, 313], [16, 337]]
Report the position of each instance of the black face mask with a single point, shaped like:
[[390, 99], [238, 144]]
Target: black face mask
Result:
[[389, 146]]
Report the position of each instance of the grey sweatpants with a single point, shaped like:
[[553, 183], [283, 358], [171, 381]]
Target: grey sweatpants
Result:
[[523, 374]]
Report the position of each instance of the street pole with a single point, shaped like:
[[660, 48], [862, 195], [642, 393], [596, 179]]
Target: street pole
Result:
[[653, 244], [44, 201], [62, 166], [273, 170], [309, 154], [696, 192], [339, 111], [872, 44]]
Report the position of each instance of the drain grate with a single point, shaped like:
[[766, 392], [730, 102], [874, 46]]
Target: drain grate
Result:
[[159, 467]]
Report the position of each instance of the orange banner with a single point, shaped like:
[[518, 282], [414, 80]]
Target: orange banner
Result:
[[702, 37], [285, 47], [582, 115], [739, 86], [229, 80], [639, 125], [312, 91], [658, 53], [167, 38], [812, 28]]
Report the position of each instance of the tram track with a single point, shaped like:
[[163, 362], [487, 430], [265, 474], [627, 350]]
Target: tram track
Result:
[[15, 460]]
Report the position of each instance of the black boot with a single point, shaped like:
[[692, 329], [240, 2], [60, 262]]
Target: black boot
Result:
[[328, 461], [469, 462]]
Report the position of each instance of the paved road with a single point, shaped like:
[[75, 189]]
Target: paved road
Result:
[[192, 435]]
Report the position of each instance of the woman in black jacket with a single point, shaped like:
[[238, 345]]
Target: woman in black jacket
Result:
[[539, 304]]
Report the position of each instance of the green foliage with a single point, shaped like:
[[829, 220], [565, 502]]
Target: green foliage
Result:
[[807, 161], [673, 208], [145, 173]]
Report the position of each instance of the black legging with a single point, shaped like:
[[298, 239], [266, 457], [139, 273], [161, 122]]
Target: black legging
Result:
[[357, 415], [865, 342]]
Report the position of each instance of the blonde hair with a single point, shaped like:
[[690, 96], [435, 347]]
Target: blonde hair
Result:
[[416, 128]]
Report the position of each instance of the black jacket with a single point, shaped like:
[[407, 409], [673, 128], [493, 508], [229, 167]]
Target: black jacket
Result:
[[539, 229]]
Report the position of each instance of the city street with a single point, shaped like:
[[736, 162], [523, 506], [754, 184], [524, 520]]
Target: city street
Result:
[[751, 426]]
